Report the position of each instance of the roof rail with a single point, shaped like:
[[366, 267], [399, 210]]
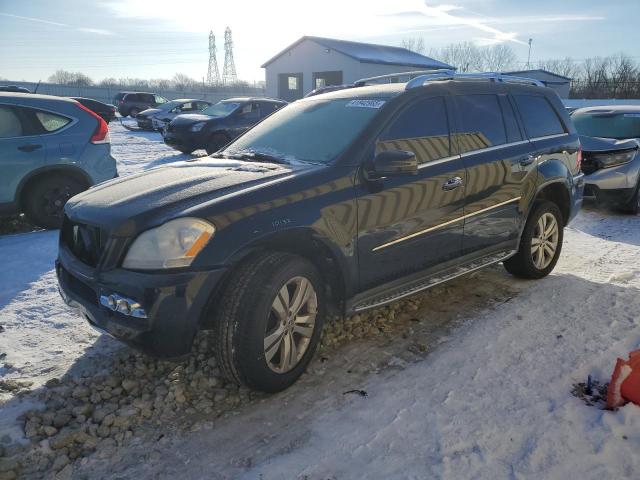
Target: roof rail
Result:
[[452, 75], [391, 76]]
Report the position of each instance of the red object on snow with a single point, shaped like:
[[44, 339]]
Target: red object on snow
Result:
[[625, 382]]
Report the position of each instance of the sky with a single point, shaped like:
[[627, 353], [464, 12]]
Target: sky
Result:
[[156, 39]]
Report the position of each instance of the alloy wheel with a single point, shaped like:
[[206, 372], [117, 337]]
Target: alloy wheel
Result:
[[544, 242], [291, 324]]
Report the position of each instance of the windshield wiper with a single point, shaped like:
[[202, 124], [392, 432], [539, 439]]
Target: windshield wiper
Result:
[[255, 156]]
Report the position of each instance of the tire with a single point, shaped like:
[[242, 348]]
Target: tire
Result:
[[216, 142], [632, 206], [186, 151], [525, 263], [133, 112], [247, 317], [44, 200]]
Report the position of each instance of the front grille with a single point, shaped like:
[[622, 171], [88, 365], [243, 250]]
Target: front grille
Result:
[[86, 242], [76, 286]]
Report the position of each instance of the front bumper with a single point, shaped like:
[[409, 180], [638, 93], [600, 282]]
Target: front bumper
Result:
[[183, 140], [144, 123], [174, 303], [577, 195], [621, 177]]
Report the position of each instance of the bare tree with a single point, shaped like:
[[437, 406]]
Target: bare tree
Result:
[[498, 58], [415, 44], [77, 79], [465, 56], [566, 67]]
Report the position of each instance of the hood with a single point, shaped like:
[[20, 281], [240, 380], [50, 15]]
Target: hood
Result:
[[599, 144], [191, 118], [149, 112], [128, 205]]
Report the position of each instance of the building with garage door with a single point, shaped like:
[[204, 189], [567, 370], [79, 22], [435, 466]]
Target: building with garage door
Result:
[[313, 62]]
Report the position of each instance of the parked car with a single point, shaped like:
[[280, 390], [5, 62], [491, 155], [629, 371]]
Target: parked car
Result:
[[156, 118], [336, 204], [218, 124], [105, 110], [14, 89], [132, 103], [610, 137], [50, 149]]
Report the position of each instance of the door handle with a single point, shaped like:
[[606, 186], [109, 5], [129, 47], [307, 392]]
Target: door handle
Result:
[[29, 147], [452, 183], [528, 160]]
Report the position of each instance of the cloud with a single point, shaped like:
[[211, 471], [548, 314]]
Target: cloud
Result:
[[443, 15], [31, 19], [97, 31]]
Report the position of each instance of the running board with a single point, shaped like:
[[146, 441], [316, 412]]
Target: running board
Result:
[[430, 281]]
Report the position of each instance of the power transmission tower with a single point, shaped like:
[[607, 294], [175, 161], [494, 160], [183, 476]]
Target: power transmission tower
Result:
[[229, 73], [213, 74]]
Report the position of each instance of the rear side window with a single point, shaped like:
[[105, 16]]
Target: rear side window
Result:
[[10, 125], [422, 129], [51, 122], [538, 116], [510, 122], [481, 122]]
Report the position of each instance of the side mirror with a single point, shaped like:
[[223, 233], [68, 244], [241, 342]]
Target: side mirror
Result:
[[395, 162]]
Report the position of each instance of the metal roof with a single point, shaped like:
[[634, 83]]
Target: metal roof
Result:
[[369, 53], [522, 73]]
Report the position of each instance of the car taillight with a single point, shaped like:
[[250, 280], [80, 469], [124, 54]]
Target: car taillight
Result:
[[579, 159], [101, 133]]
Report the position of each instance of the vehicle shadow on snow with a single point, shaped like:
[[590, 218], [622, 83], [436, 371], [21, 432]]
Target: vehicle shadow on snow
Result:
[[25, 257], [160, 403], [602, 222]]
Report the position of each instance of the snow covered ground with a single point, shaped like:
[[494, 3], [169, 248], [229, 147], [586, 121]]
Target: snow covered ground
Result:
[[488, 395]]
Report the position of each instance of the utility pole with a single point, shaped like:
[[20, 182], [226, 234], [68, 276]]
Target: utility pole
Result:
[[213, 75], [229, 76], [529, 56]]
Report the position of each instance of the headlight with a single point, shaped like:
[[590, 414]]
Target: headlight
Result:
[[196, 127], [613, 159], [174, 244]]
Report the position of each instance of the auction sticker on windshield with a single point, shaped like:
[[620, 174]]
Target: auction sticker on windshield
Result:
[[365, 103]]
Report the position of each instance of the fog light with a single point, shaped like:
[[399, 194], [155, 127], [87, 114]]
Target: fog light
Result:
[[125, 306]]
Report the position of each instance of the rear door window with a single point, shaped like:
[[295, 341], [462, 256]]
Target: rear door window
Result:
[[481, 122], [10, 124], [51, 122], [422, 128], [538, 116]]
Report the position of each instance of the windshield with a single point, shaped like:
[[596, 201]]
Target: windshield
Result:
[[608, 125], [220, 109], [169, 105], [312, 130]]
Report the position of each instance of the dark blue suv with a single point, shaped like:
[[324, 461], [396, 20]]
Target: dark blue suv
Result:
[[337, 203]]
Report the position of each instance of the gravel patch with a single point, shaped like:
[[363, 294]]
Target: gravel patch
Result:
[[130, 397]]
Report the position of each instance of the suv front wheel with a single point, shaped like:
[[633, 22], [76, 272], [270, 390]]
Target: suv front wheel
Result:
[[540, 244], [269, 322]]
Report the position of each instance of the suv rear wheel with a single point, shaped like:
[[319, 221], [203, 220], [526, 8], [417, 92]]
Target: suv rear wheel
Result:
[[270, 321], [45, 199], [540, 244], [133, 112]]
